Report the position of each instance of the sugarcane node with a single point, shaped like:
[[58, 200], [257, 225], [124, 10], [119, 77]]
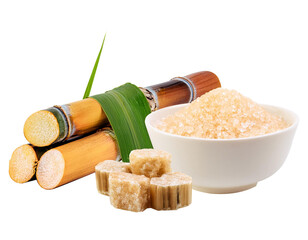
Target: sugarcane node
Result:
[[181, 90], [203, 82]]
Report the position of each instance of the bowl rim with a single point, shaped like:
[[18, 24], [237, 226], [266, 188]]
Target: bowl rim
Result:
[[289, 128]]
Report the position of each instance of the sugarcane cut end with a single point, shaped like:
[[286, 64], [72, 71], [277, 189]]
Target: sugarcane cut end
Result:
[[50, 169], [41, 128], [22, 164]]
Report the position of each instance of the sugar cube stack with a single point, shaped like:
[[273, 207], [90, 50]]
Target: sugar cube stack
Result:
[[102, 171], [147, 181]]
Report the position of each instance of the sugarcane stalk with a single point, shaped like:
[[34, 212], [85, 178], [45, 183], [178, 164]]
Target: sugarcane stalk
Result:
[[46, 127]]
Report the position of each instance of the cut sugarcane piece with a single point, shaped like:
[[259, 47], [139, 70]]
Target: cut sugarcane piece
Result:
[[171, 191], [102, 171], [59, 123], [43, 127], [22, 165], [150, 162], [129, 191], [74, 160]]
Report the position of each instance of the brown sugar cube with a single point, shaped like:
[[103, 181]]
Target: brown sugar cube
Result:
[[150, 162], [129, 191], [102, 171], [171, 191]]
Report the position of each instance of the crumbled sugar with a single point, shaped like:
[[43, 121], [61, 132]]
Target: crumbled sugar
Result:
[[102, 171], [129, 191], [171, 191], [150, 162], [222, 114]]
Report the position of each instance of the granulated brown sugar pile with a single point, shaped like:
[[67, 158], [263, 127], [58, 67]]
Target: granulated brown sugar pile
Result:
[[222, 114]]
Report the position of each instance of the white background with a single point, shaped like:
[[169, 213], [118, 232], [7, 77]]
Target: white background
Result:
[[47, 51]]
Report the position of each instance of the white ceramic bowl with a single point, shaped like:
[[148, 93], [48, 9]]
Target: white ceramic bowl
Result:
[[225, 165]]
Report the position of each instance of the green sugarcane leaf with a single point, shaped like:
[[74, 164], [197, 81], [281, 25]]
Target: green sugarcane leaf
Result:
[[126, 108], [90, 83]]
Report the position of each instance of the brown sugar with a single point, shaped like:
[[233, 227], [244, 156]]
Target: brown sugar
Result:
[[222, 114], [102, 171], [171, 191], [129, 191], [150, 162], [147, 181]]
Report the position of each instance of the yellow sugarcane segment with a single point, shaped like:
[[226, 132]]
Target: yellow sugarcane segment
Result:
[[74, 160], [84, 116]]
